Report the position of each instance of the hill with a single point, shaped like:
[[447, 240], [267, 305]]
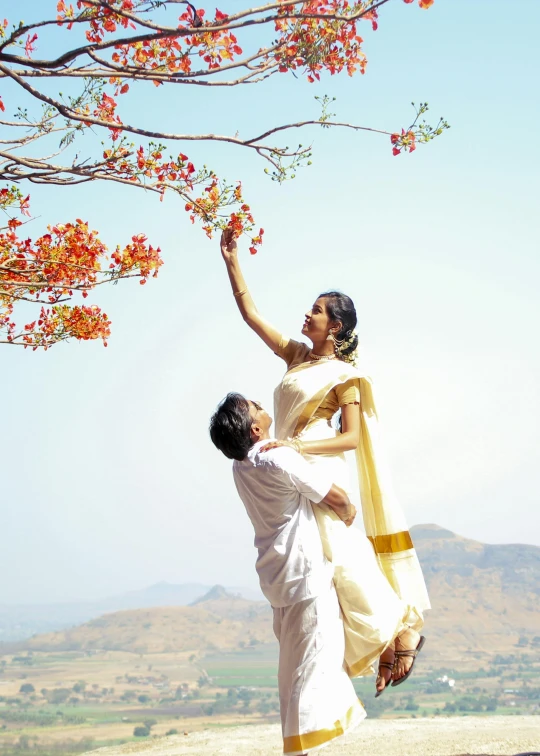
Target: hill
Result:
[[233, 606], [24, 621], [224, 621], [485, 597], [485, 602]]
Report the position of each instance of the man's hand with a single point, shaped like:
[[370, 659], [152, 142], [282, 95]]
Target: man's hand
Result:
[[348, 515], [338, 500]]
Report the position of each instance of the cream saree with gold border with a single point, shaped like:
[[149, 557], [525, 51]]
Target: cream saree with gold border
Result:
[[378, 596]]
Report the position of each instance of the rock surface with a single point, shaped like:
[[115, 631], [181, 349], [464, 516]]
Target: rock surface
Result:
[[457, 736]]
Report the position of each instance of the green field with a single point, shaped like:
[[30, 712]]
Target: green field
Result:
[[65, 704], [475, 693], [252, 667]]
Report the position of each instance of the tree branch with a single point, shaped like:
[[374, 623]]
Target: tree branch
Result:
[[171, 32]]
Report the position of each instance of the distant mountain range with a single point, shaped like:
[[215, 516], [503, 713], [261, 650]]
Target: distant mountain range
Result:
[[217, 621], [24, 621], [485, 597], [485, 602]]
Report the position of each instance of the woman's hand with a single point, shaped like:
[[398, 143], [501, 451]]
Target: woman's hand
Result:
[[229, 251], [275, 445], [229, 247]]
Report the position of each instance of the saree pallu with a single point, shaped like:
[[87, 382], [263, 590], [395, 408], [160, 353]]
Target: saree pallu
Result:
[[378, 594]]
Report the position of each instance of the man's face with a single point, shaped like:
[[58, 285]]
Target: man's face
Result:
[[262, 421]]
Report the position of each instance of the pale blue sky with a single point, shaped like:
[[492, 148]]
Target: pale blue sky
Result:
[[109, 479]]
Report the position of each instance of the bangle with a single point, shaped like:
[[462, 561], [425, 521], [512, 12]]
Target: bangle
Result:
[[239, 294], [297, 445]]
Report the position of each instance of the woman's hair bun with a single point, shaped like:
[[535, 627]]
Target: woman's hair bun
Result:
[[341, 308]]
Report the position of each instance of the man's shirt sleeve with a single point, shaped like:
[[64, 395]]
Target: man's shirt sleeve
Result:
[[309, 480]]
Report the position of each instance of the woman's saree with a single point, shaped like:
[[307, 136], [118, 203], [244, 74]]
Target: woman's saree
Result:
[[377, 597]]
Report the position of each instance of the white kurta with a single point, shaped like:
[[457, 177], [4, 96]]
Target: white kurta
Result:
[[278, 489]]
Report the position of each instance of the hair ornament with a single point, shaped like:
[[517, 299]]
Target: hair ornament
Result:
[[341, 345]]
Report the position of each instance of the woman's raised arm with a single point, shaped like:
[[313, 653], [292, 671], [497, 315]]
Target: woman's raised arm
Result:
[[229, 249]]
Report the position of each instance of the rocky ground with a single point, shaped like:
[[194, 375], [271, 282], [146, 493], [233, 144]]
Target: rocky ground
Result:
[[456, 736]]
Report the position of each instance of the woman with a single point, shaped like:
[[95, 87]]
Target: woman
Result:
[[382, 599]]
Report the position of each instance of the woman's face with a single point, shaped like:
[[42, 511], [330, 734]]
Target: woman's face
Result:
[[317, 323]]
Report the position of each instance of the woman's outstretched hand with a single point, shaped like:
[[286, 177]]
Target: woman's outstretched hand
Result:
[[229, 247]]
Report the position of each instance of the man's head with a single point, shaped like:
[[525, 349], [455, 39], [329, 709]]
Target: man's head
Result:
[[237, 424]]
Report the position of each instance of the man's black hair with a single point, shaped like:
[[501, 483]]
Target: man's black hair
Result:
[[230, 427]]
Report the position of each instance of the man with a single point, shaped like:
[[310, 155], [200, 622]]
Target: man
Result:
[[278, 487]]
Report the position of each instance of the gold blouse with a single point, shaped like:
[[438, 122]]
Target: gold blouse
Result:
[[295, 353]]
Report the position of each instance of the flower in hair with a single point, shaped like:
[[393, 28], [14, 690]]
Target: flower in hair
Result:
[[344, 344]]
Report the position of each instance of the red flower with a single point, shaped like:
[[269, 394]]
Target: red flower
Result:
[[29, 46], [25, 206]]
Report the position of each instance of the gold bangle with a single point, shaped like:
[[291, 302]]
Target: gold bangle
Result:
[[297, 445], [241, 293]]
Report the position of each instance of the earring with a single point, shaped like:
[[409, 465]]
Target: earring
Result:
[[338, 343]]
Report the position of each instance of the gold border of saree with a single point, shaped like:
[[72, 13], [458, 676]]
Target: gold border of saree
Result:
[[392, 543]]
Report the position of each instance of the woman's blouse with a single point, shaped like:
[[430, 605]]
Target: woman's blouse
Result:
[[295, 353]]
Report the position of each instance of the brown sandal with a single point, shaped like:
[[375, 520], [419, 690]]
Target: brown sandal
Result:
[[389, 666], [411, 652]]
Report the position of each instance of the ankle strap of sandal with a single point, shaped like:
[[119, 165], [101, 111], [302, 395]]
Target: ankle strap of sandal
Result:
[[412, 652]]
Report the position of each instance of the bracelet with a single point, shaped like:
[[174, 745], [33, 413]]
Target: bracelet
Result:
[[297, 445], [239, 294]]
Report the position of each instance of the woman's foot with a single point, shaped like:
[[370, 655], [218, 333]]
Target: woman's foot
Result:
[[384, 674], [408, 640]]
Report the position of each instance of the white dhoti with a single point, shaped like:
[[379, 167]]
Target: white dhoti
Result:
[[318, 702]]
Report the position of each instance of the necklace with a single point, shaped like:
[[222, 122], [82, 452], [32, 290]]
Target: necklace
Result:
[[317, 357]]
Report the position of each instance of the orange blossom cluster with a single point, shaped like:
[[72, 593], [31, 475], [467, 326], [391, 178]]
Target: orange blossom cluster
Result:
[[69, 257]]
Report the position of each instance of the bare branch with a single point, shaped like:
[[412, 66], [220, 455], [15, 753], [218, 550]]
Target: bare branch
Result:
[[301, 124]]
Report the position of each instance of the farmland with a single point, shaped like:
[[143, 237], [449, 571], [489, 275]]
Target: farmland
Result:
[[70, 702]]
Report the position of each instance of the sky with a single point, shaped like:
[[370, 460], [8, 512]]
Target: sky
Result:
[[109, 479]]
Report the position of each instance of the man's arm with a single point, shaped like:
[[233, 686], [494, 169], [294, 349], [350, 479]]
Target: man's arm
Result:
[[337, 499], [313, 481]]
